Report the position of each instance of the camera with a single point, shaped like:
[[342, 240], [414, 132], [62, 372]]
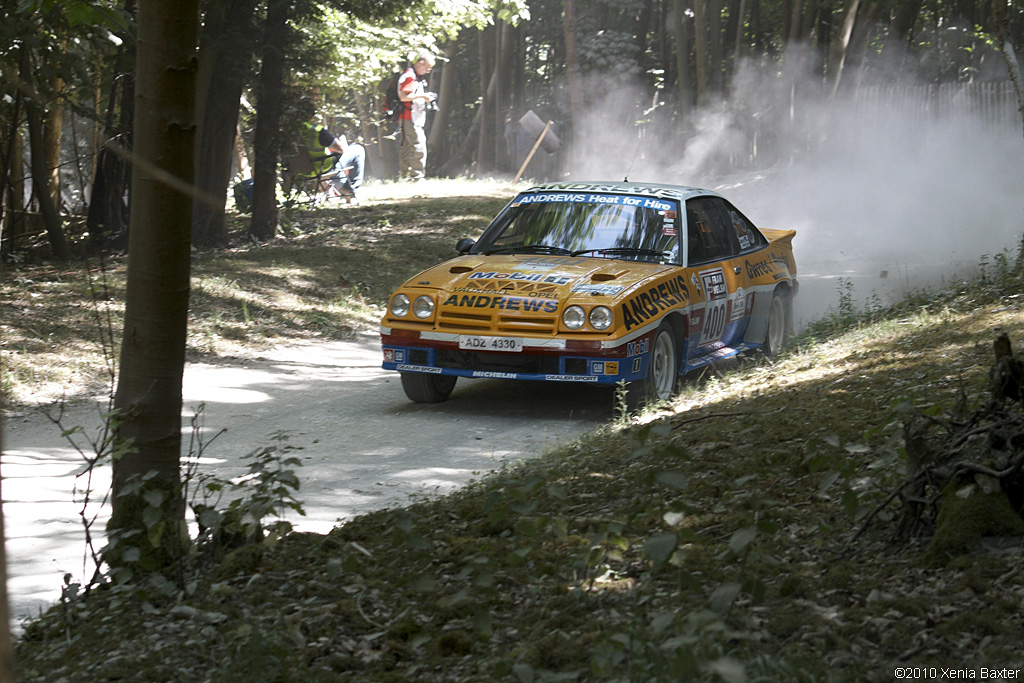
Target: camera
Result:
[[432, 104]]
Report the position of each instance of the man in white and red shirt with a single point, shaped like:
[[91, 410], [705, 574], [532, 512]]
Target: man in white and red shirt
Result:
[[412, 151]]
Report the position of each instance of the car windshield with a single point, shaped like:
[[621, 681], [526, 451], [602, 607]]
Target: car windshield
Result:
[[586, 224]]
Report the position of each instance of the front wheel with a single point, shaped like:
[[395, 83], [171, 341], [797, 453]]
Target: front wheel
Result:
[[662, 372], [777, 336], [424, 388]]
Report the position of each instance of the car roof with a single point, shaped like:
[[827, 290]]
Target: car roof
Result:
[[680, 192]]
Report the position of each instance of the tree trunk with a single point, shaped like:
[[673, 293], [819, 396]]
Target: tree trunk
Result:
[[467, 142], [13, 178], [224, 54], [716, 50], [108, 210], [863, 32], [268, 121], [643, 22], [147, 525], [700, 48], [445, 98], [502, 92], [518, 66], [682, 57], [486, 76], [759, 40], [811, 11], [1006, 47], [53, 124], [837, 56], [738, 45], [904, 19], [796, 23], [572, 63], [40, 173], [108, 215]]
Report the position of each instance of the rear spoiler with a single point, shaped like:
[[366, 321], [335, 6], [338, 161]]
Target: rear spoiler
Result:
[[781, 238]]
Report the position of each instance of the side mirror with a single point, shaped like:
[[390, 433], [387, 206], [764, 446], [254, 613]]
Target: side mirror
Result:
[[464, 245]]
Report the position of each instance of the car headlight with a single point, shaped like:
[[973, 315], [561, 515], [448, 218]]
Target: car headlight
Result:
[[399, 305], [424, 306], [574, 317], [601, 318]]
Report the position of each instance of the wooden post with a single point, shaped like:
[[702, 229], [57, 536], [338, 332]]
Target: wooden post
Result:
[[530, 155]]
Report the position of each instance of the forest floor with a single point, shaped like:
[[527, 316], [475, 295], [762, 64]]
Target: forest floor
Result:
[[740, 532]]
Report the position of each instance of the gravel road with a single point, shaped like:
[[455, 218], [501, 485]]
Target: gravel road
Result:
[[363, 445]]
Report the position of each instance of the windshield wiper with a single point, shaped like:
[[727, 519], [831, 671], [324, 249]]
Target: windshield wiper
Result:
[[528, 249], [633, 251]]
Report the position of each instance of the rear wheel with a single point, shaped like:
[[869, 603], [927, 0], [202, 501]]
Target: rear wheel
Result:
[[777, 336], [662, 372], [424, 388]]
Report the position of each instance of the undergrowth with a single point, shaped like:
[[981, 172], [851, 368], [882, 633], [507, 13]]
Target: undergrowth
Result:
[[713, 538]]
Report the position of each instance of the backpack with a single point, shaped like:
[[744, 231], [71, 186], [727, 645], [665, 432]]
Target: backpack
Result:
[[391, 108]]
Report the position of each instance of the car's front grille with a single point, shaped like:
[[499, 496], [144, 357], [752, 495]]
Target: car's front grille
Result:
[[456, 321], [494, 321]]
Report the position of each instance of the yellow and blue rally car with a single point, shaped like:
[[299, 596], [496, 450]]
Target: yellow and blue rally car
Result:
[[598, 283]]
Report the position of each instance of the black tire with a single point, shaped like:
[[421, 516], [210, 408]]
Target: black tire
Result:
[[424, 388], [780, 313], [662, 372]]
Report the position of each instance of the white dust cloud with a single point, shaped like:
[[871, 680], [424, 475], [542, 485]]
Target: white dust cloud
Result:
[[890, 186]]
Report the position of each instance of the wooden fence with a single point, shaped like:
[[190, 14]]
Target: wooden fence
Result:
[[808, 126], [989, 104]]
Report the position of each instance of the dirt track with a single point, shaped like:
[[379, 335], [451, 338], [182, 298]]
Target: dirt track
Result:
[[364, 446]]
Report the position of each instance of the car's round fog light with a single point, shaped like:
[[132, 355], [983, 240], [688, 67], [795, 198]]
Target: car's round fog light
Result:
[[424, 307], [400, 305], [574, 317], [601, 318]]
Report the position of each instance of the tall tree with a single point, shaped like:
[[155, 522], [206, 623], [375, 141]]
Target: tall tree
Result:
[[837, 56], [1002, 22], [572, 65], [701, 50], [269, 100], [53, 125], [225, 55], [486, 77], [108, 213], [682, 52], [147, 524], [34, 112], [445, 97]]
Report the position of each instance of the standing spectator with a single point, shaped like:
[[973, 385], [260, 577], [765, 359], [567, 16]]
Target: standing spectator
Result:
[[412, 150]]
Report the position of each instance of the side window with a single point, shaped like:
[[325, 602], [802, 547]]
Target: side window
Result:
[[709, 233], [749, 238]]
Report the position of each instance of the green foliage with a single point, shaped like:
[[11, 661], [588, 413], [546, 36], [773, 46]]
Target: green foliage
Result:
[[267, 490], [365, 51], [80, 12]]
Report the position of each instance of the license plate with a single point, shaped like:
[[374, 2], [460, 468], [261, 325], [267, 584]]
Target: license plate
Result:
[[475, 343]]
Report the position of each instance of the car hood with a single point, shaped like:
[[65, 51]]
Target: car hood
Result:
[[549, 277]]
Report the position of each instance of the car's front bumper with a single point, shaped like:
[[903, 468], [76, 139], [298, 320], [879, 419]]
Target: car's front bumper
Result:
[[600, 366]]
